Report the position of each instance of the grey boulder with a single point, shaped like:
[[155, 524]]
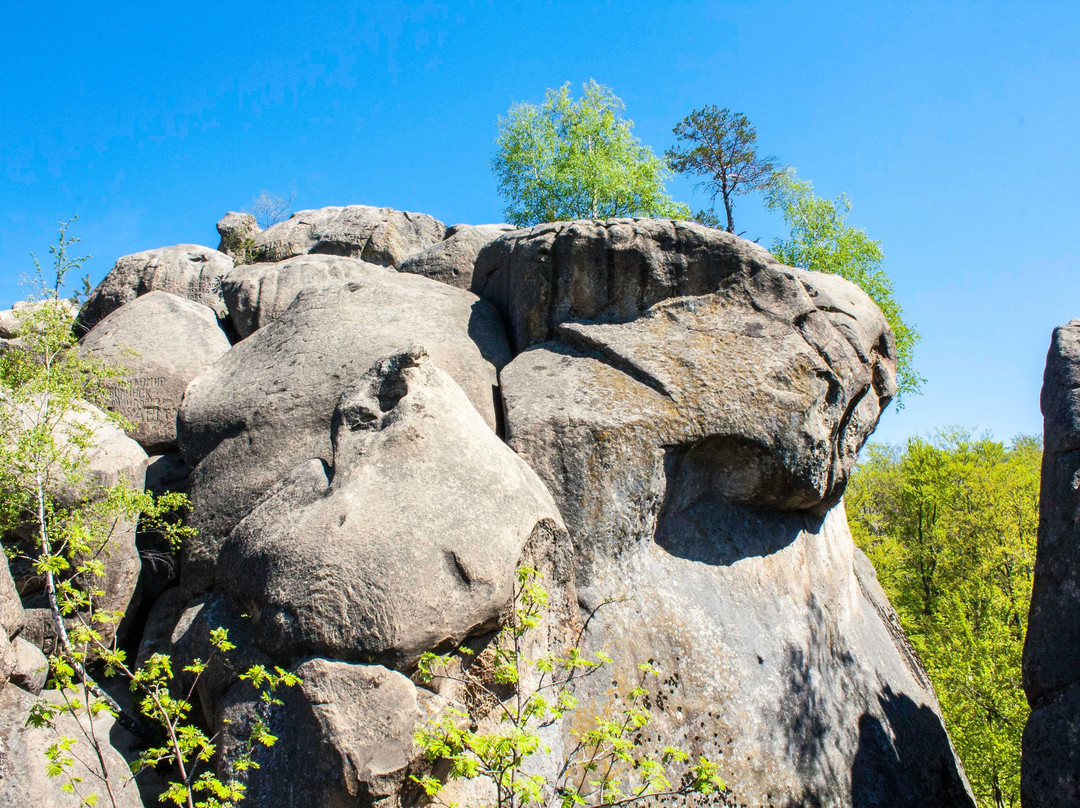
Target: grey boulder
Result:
[[186, 270], [266, 405], [162, 342], [23, 778], [235, 229], [452, 260], [31, 667], [257, 294], [382, 236], [406, 541], [345, 737]]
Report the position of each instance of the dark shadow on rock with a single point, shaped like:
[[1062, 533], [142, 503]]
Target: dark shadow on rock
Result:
[[700, 522], [905, 760]]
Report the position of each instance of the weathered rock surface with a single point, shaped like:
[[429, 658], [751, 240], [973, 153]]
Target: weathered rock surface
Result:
[[235, 229], [111, 457], [186, 270], [1050, 774], [265, 406], [382, 236], [23, 781], [257, 294], [31, 667], [12, 320], [452, 260], [345, 737], [11, 609], [407, 541], [163, 341]]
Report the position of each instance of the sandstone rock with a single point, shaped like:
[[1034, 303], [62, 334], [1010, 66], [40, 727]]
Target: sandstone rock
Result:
[[12, 320], [11, 609], [447, 510], [345, 737], [111, 457], [1050, 773], [265, 406], [165, 473], [186, 270], [382, 236], [257, 294], [9, 660], [163, 341], [23, 781], [31, 667], [234, 229], [452, 260]]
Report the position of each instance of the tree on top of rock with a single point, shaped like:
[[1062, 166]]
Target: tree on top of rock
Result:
[[722, 147], [577, 159]]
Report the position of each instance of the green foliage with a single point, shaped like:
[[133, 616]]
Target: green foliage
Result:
[[722, 148], [950, 526], [63, 523], [568, 159], [606, 764], [821, 240]]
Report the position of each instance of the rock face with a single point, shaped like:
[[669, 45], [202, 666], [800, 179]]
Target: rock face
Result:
[[1050, 774], [695, 408], [23, 780], [163, 341], [447, 511], [346, 737], [681, 414], [265, 406], [257, 294], [186, 270], [380, 236], [452, 261], [234, 229]]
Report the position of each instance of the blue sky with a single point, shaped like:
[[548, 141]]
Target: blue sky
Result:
[[952, 126]]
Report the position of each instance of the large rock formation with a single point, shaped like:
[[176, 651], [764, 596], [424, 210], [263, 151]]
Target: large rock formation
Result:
[[1050, 774], [685, 413], [162, 342], [382, 236], [265, 406], [186, 270]]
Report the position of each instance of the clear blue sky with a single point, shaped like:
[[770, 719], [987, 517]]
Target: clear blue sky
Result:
[[952, 126]]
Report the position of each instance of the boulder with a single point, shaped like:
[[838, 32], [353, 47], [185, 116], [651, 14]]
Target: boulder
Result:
[[186, 270], [1050, 769], [162, 342], [12, 320], [452, 260], [257, 294], [345, 737], [23, 778], [111, 458], [235, 229], [265, 406], [31, 667], [382, 236], [695, 409], [12, 618], [406, 541]]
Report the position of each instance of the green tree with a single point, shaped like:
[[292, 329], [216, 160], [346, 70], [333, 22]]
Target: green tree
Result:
[[722, 147], [605, 765], [568, 159], [950, 526], [821, 239], [56, 517]]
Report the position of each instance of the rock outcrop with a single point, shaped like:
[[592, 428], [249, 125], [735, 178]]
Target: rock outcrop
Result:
[[266, 405], [452, 260], [382, 236], [1050, 774], [257, 294], [162, 342], [186, 270], [681, 414]]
